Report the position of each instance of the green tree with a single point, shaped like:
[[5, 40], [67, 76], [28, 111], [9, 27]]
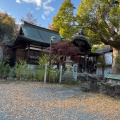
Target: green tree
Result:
[[8, 27], [64, 20], [100, 21]]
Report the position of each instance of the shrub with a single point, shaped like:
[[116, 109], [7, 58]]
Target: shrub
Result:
[[4, 69], [52, 74], [11, 72], [41, 67]]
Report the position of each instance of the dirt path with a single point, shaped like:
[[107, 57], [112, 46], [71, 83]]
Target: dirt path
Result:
[[38, 101]]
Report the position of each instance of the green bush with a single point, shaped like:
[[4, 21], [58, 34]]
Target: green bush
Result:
[[52, 74], [39, 76], [11, 73], [40, 71], [4, 69], [19, 68], [24, 72]]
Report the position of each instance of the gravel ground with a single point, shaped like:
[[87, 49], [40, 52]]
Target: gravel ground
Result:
[[37, 101]]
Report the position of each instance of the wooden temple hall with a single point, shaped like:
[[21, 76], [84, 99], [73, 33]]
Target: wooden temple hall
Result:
[[31, 43], [34, 41]]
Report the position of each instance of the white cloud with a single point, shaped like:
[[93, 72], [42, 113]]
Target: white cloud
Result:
[[37, 2], [18, 1], [47, 9], [43, 17], [41, 4]]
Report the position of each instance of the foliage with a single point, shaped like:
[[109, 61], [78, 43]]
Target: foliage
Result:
[[96, 47], [41, 67], [66, 48], [51, 72], [53, 26], [118, 61], [39, 74], [101, 62], [43, 60], [19, 68], [23, 71], [11, 73], [4, 69], [8, 28], [99, 21], [64, 20]]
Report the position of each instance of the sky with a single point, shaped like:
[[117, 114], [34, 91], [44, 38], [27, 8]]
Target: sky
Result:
[[42, 10]]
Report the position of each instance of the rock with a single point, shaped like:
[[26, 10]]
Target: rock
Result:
[[85, 89], [87, 77], [67, 76]]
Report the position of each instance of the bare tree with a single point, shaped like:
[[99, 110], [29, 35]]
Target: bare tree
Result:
[[30, 19]]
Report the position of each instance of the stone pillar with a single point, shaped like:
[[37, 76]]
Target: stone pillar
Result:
[[75, 66]]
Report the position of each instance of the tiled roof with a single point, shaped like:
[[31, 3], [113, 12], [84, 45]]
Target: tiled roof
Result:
[[38, 34], [104, 50]]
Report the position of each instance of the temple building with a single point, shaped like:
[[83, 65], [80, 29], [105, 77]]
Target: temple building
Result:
[[31, 43], [34, 41]]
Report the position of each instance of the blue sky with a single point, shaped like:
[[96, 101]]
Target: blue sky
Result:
[[42, 10]]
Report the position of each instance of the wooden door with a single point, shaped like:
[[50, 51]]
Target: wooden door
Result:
[[20, 54]]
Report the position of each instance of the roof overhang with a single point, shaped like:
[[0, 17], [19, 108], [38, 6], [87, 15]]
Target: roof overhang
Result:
[[25, 39], [81, 42]]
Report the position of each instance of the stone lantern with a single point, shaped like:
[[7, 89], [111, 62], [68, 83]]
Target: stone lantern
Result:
[[68, 64], [68, 74]]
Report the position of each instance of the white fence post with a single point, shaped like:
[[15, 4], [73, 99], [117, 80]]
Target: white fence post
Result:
[[45, 74], [60, 74]]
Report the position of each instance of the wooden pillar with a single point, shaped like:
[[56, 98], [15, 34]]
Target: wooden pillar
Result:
[[85, 60], [28, 55]]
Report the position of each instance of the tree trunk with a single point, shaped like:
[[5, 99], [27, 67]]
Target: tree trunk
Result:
[[115, 69]]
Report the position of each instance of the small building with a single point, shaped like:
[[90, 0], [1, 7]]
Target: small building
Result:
[[31, 43], [87, 58], [107, 56]]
